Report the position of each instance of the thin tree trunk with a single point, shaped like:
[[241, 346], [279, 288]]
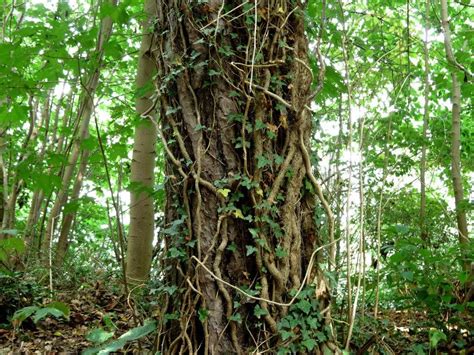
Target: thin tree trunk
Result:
[[456, 131], [84, 115], [142, 221], [56, 145], [63, 241], [426, 115], [347, 232]]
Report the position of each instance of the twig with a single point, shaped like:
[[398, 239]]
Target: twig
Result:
[[254, 44]]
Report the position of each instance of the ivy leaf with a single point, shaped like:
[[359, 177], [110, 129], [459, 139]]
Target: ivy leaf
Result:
[[309, 344], [304, 305], [236, 318], [224, 192], [259, 311], [250, 250], [203, 314], [238, 214], [262, 161], [286, 335], [232, 247], [259, 125], [280, 252]]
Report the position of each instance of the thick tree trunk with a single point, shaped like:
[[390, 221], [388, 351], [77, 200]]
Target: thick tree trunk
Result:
[[234, 85], [142, 221]]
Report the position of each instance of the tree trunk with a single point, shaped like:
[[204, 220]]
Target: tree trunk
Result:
[[456, 131], [68, 218], [426, 116], [234, 84], [142, 221], [84, 114]]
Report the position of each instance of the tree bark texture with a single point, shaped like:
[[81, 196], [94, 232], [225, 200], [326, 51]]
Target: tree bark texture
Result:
[[234, 85]]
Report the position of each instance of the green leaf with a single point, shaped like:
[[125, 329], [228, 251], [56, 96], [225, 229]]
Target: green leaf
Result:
[[47, 311], [64, 308], [262, 161], [213, 72], [259, 311], [203, 314], [224, 192], [250, 250], [232, 247], [10, 245], [9, 232], [309, 344], [436, 336], [236, 318], [260, 125], [304, 305], [24, 313], [99, 336], [407, 275], [280, 252], [286, 335], [238, 214], [132, 334]]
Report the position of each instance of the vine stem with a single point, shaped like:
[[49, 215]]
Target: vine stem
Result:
[[305, 279]]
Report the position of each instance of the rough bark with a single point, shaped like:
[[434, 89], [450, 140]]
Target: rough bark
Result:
[[234, 86], [142, 221]]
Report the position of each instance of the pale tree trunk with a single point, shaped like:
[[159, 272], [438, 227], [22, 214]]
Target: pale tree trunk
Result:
[[456, 130], [142, 222], [236, 129], [347, 232], [36, 123], [55, 144], [68, 218], [463, 233], [426, 115], [86, 107]]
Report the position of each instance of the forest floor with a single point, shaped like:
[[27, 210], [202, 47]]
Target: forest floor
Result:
[[398, 332]]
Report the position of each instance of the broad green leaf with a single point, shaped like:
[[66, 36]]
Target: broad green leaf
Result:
[[61, 307], [436, 336], [132, 334], [99, 335], [24, 313], [47, 311]]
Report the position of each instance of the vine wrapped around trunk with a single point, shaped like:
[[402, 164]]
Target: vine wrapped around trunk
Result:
[[234, 88]]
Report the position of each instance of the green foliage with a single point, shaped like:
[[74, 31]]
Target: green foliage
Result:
[[55, 309], [131, 335], [99, 335], [301, 329]]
